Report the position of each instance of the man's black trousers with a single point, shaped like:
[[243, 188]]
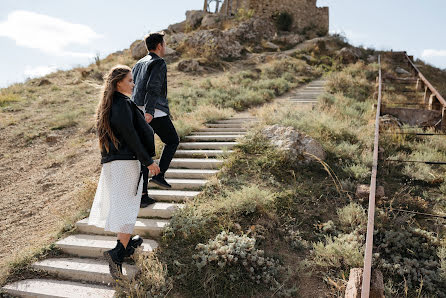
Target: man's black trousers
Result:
[[166, 131]]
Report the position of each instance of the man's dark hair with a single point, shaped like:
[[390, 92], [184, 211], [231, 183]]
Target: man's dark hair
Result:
[[153, 39]]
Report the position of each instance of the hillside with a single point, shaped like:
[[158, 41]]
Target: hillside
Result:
[[304, 218]]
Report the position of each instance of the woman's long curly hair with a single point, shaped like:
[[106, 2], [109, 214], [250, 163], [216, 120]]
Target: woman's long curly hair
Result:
[[103, 127]]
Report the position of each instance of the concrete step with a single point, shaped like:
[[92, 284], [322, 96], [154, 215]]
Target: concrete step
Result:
[[196, 163], [143, 227], [238, 133], [183, 184], [93, 246], [172, 195], [237, 120], [57, 288], [225, 125], [207, 145], [202, 153], [89, 270], [220, 129], [210, 138], [160, 209], [190, 173]]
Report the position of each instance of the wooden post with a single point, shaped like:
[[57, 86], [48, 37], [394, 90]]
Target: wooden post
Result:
[[417, 87], [431, 101], [443, 119], [205, 7], [217, 6], [426, 95], [227, 8]]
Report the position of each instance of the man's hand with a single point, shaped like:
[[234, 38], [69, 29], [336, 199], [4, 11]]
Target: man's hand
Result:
[[154, 169], [148, 117]]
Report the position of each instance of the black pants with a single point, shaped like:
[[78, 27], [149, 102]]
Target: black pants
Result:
[[165, 130]]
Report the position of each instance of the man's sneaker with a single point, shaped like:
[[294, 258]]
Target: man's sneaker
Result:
[[160, 181], [115, 257], [135, 242], [146, 201]]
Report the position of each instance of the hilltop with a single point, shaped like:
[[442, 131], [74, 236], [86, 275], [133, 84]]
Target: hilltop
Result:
[[50, 162]]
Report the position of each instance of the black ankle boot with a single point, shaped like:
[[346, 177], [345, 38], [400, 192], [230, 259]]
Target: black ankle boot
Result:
[[115, 257], [135, 242], [146, 201], [160, 181]]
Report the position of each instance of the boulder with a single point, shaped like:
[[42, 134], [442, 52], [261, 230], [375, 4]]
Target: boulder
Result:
[[175, 39], [138, 49], [190, 65], [44, 82], [252, 31], [372, 59], [268, 45], [354, 285], [213, 44], [194, 18], [349, 55], [178, 27], [297, 147], [402, 71], [211, 21], [290, 39], [363, 191]]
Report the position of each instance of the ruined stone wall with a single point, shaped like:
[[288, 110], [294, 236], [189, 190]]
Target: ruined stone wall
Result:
[[306, 16]]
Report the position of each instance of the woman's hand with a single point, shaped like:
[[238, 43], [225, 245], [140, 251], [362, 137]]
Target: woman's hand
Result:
[[148, 117], [154, 169]]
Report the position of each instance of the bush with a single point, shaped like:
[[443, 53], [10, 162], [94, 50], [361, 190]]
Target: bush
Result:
[[231, 261], [8, 98]]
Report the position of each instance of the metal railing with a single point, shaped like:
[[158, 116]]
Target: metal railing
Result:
[[367, 272]]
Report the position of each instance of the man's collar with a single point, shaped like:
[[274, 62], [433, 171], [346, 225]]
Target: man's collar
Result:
[[153, 54]]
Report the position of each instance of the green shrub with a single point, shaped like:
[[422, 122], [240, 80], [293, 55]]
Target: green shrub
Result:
[[230, 263], [8, 98]]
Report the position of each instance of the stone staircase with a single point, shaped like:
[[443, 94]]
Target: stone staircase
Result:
[[308, 94], [82, 272]]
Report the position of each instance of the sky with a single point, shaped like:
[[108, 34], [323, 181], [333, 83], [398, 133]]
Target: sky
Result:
[[41, 36]]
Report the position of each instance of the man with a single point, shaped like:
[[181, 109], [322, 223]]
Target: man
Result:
[[150, 95]]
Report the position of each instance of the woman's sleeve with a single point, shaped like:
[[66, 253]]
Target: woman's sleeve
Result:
[[123, 123]]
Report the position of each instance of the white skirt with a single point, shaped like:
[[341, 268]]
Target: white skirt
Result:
[[118, 196]]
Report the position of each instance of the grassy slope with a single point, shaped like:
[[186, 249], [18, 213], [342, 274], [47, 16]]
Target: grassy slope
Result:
[[48, 152], [307, 222]]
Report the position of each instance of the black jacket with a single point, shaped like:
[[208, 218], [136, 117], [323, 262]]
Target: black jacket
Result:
[[135, 136], [150, 78]]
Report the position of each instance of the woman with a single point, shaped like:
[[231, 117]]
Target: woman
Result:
[[126, 142]]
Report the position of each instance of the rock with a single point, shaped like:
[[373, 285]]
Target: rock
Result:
[[194, 18], [51, 138], [353, 289], [387, 122], [252, 31], [170, 51], [213, 44], [290, 39], [270, 46], [363, 191], [176, 39], [190, 65], [297, 147], [402, 71], [138, 49], [211, 21], [349, 55], [178, 27], [372, 59], [44, 82]]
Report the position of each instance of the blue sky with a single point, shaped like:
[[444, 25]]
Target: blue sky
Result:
[[38, 36]]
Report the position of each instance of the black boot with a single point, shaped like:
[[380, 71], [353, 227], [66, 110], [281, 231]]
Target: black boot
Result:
[[115, 257], [135, 242], [160, 181], [146, 201]]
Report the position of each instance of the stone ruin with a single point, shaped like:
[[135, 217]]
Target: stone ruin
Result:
[[306, 15]]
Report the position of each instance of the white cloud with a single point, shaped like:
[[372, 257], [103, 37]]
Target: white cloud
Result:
[[39, 71], [429, 53], [48, 34]]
